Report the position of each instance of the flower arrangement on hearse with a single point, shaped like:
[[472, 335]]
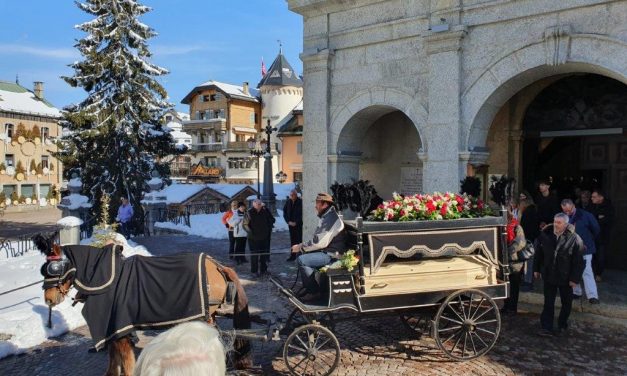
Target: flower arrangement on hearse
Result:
[[436, 206]]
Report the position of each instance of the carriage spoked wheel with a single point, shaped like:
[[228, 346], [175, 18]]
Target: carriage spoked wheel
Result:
[[467, 324], [311, 349]]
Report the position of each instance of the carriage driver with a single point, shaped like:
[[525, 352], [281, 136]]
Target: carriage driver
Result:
[[328, 243]]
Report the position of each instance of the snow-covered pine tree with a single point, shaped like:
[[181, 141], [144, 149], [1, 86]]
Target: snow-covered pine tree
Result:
[[115, 138]]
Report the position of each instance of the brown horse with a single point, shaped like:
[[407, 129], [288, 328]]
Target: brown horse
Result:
[[59, 278]]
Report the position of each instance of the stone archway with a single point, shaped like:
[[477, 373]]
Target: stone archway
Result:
[[380, 144], [553, 55], [376, 136]]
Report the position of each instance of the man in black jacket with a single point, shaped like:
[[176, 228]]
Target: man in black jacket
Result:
[[559, 260], [547, 204], [604, 213], [260, 226], [293, 215]]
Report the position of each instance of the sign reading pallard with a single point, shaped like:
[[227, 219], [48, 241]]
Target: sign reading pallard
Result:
[[200, 170]]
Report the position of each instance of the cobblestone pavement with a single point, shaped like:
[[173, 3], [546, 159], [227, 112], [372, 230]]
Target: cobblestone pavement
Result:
[[369, 346]]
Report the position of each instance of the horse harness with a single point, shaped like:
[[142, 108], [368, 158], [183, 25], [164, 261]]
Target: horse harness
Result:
[[56, 271], [222, 297]]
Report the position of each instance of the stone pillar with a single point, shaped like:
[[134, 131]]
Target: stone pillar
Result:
[[316, 177], [441, 165]]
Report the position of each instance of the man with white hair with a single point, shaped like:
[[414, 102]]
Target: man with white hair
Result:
[[587, 227], [189, 349], [559, 261]]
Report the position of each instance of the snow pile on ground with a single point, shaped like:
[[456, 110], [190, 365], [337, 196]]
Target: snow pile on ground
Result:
[[130, 247], [24, 314], [210, 225]]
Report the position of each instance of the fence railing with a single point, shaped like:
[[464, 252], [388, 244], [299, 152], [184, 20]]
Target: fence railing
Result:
[[182, 214], [20, 245]]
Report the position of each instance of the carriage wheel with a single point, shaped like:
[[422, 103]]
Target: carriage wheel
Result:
[[415, 322], [311, 350], [467, 324]]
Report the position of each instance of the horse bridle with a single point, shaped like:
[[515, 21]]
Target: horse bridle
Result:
[[56, 271]]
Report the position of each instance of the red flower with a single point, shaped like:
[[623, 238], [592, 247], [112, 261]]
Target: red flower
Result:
[[430, 206], [443, 210], [479, 204], [459, 200]]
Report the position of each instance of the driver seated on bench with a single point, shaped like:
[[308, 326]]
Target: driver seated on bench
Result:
[[327, 245]]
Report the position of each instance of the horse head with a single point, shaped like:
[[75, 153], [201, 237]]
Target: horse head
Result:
[[57, 270]]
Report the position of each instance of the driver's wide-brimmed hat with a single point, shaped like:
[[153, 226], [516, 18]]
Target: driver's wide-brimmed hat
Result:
[[324, 197]]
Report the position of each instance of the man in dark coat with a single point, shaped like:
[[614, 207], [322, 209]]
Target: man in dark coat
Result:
[[547, 204], [587, 227], [559, 261], [260, 226], [293, 215], [604, 213]]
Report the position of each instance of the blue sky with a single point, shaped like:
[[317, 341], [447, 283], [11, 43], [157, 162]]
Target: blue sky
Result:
[[198, 40]]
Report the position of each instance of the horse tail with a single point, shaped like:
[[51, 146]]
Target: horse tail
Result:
[[241, 320]]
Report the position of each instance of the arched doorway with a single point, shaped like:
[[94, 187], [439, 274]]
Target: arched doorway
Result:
[[380, 144], [574, 133]]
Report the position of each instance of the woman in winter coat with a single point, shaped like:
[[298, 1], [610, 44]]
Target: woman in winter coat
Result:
[[239, 233], [515, 243]]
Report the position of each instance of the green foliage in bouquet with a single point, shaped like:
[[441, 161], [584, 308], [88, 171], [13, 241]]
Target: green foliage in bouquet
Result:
[[430, 207], [348, 261]]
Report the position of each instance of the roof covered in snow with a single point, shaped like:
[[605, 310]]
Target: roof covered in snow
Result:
[[289, 126], [230, 90], [16, 98], [281, 73]]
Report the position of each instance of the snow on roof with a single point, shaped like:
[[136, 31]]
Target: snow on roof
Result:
[[15, 98], [183, 115], [175, 193], [228, 190], [228, 89]]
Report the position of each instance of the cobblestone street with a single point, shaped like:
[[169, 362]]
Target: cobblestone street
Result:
[[369, 346]]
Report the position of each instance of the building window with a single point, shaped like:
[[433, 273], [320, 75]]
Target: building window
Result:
[[168, 118], [45, 133], [27, 190], [44, 161], [9, 129], [197, 117], [252, 119], [299, 148], [43, 190], [298, 176], [212, 162], [221, 114], [10, 160], [8, 189], [207, 98]]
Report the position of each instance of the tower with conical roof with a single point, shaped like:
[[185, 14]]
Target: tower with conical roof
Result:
[[281, 91]]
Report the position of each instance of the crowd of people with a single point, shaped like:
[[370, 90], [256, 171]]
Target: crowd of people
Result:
[[254, 227], [570, 239]]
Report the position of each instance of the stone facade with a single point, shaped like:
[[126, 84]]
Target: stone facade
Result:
[[445, 67]]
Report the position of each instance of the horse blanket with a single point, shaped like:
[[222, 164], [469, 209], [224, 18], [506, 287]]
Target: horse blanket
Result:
[[137, 292]]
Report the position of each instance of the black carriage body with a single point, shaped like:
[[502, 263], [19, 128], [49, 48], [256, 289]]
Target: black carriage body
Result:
[[402, 246]]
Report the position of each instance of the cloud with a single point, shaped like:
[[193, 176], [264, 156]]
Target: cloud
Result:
[[56, 53]]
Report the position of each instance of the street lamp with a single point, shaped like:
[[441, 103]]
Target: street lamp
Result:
[[268, 188], [281, 177], [252, 143]]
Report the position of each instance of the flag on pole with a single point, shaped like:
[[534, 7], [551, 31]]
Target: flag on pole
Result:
[[263, 68]]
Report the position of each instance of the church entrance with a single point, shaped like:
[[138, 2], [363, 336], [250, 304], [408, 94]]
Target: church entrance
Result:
[[574, 133]]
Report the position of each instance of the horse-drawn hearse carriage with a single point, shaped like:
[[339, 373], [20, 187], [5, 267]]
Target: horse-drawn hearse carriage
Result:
[[441, 277]]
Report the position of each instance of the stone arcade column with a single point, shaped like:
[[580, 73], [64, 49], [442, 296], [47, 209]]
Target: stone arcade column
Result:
[[316, 67], [441, 159]]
